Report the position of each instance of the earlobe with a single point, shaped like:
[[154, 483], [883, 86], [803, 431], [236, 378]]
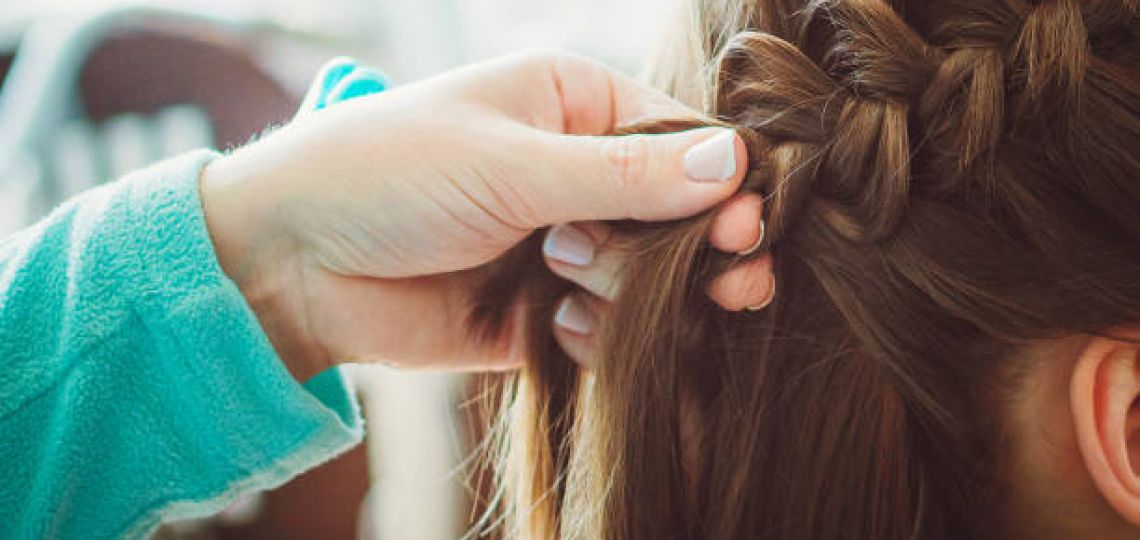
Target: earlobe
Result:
[[1105, 401]]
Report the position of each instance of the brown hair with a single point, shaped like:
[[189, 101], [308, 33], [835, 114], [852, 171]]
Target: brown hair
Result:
[[948, 181]]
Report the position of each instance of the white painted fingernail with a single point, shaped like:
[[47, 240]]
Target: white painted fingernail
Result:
[[755, 246], [574, 316], [568, 244], [714, 159]]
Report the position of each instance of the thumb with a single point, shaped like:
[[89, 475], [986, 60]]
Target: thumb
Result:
[[644, 177]]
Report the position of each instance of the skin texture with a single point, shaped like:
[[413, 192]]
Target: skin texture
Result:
[[1073, 440], [358, 233]]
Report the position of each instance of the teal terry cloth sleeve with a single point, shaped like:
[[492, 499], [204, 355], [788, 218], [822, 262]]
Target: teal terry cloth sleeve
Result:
[[136, 386]]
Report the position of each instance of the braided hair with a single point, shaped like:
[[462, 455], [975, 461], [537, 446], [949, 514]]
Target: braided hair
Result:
[[947, 182]]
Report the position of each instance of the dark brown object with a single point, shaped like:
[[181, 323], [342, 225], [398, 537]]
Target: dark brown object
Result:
[[5, 64], [322, 503], [146, 70]]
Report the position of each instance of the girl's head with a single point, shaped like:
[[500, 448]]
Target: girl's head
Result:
[[954, 349]]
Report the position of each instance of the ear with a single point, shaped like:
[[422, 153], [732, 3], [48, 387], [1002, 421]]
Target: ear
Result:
[[1105, 401]]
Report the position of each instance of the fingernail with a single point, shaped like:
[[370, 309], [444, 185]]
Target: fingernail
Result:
[[767, 301], [574, 316], [755, 246], [713, 160], [568, 244]]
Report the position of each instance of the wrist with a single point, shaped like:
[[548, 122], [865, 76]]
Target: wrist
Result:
[[232, 219], [257, 256]]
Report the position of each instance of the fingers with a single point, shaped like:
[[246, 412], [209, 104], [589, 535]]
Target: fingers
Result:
[[576, 322], [737, 226], [595, 99], [580, 315], [646, 177], [559, 93], [643, 177], [748, 285], [564, 106], [578, 253]]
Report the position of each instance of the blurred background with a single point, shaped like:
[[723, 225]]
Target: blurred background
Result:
[[94, 89]]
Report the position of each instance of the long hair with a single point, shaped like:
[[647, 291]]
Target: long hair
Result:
[[947, 183]]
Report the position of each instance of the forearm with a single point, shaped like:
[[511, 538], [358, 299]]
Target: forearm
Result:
[[239, 194], [137, 384]]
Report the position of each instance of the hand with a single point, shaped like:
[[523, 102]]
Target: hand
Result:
[[358, 233]]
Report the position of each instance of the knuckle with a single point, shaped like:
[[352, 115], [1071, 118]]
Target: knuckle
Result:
[[517, 204], [542, 57], [628, 158]]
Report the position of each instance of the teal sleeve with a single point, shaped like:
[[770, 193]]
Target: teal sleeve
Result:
[[136, 386]]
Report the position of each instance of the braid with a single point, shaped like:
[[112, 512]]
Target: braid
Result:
[[876, 54], [856, 92], [965, 107], [1111, 23], [850, 70], [861, 403], [1052, 50]]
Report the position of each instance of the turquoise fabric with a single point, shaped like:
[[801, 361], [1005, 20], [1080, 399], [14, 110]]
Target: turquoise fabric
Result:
[[136, 385], [340, 80]]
